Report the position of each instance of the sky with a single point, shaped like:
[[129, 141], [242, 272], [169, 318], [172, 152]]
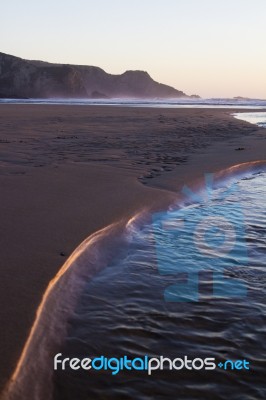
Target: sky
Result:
[[214, 48]]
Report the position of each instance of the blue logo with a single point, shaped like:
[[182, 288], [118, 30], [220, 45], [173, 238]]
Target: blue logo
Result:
[[207, 235]]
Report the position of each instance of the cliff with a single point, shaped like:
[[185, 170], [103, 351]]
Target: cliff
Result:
[[21, 78]]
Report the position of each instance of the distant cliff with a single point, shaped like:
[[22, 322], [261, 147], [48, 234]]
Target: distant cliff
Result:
[[21, 78]]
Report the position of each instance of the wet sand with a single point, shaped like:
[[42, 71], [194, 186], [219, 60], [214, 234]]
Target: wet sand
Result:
[[67, 171]]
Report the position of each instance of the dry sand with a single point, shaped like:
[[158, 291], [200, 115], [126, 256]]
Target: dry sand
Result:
[[67, 171]]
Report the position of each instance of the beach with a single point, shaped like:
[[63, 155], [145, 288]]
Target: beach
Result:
[[68, 171]]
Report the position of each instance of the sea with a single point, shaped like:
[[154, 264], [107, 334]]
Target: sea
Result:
[[190, 282], [157, 103]]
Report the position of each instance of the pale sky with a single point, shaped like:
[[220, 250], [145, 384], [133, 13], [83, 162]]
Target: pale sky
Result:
[[214, 48]]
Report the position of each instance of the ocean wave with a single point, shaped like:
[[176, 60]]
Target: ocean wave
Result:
[[157, 103]]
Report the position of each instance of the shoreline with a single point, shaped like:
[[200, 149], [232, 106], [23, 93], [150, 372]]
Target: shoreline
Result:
[[62, 292], [56, 206]]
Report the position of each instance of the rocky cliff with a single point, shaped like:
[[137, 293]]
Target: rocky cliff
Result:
[[21, 78]]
